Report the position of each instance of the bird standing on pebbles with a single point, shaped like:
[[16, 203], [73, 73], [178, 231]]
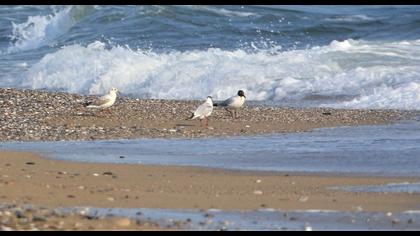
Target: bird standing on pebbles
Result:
[[203, 111], [232, 104], [103, 102]]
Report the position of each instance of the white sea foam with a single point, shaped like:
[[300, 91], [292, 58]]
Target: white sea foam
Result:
[[39, 31], [350, 18], [390, 187], [371, 74], [224, 12]]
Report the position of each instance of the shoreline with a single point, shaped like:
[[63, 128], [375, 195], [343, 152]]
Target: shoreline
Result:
[[32, 115], [49, 182], [31, 178], [45, 184]]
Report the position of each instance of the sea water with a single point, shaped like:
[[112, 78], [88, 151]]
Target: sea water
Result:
[[335, 56], [378, 150]]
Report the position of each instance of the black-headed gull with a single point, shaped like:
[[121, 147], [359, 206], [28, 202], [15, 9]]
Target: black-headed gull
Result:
[[233, 103]]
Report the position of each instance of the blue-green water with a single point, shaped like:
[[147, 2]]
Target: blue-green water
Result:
[[383, 150], [338, 56], [266, 219]]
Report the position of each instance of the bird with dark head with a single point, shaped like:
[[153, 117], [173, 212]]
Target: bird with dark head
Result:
[[241, 93], [232, 104]]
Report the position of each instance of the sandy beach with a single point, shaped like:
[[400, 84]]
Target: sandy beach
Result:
[[31, 115], [46, 184], [30, 179]]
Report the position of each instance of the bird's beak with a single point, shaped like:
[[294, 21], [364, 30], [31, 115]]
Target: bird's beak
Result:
[[244, 96]]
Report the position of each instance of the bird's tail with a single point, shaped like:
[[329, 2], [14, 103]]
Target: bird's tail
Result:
[[215, 104], [93, 106], [85, 104], [191, 117]]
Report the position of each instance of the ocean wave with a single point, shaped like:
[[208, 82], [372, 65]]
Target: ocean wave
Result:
[[42, 30], [403, 96], [368, 74], [223, 11], [351, 18]]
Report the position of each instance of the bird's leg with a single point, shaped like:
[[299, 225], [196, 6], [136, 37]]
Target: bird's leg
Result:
[[98, 113], [207, 122], [236, 114], [230, 111]]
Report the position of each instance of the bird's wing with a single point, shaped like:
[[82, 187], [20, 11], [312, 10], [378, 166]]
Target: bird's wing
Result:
[[102, 100], [203, 109], [227, 102]]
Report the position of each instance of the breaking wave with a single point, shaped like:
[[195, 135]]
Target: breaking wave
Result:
[[42, 30], [367, 74]]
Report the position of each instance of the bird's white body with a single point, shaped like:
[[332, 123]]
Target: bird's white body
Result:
[[105, 101], [234, 102], [204, 110]]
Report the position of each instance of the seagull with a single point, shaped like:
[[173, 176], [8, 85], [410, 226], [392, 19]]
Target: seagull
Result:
[[203, 111], [233, 103], [103, 102]]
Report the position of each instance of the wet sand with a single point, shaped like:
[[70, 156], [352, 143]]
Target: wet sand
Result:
[[30, 115], [29, 179]]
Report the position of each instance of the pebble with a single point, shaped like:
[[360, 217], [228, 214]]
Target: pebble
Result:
[[19, 214], [123, 222], [208, 215], [307, 227], [5, 228], [31, 218], [358, 208], [395, 221], [39, 218], [303, 198], [32, 116], [83, 211], [258, 192], [111, 199]]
